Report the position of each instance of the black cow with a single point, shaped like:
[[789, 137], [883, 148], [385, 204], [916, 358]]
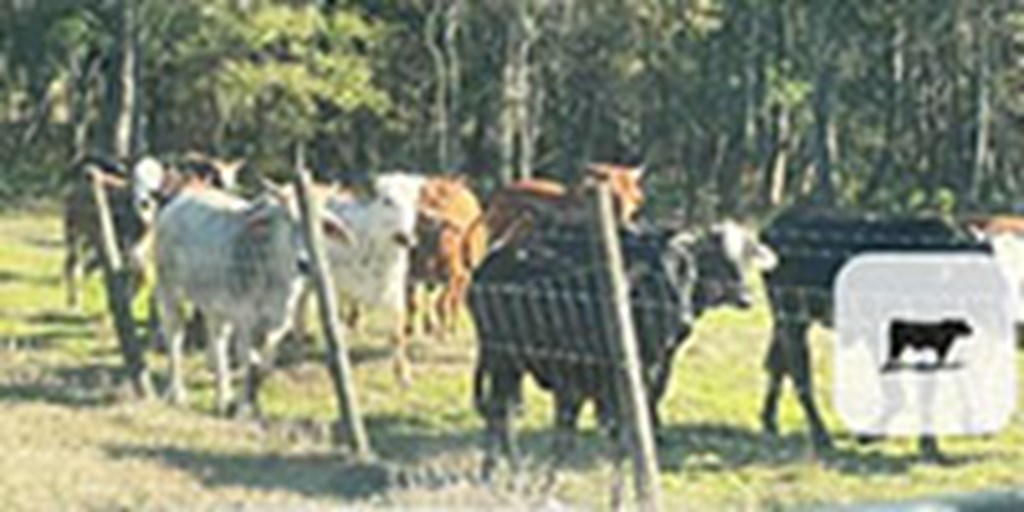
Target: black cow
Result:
[[936, 336], [538, 309], [812, 246], [127, 199]]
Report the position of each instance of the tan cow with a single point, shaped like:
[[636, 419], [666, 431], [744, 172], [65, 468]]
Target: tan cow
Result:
[[452, 240]]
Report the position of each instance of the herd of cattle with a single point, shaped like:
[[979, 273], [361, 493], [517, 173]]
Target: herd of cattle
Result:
[[521, 264]]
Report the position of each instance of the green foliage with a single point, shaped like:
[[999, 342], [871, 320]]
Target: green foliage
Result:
[[712, 93]]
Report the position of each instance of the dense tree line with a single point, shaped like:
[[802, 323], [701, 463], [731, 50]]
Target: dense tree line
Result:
[[736, 106]]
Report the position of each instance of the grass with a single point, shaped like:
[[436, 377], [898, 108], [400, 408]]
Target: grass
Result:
[[69, 442]]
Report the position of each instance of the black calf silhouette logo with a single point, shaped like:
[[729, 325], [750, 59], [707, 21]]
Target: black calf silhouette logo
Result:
[[935, 336]]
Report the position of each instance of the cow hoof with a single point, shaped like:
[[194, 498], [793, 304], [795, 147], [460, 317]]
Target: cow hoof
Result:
[[404, 376], [487, 471], [176, 397], [769, 427], [243, 411], [822, 443], [930, 452], [866, 439]]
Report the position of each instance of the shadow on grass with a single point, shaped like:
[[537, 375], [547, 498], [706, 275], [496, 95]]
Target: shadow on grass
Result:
[[64, 318], [83, 386], [408, 457], [44, 243], [722, 448], [47, 329], [313, 475], [413, 441], [11, 277]]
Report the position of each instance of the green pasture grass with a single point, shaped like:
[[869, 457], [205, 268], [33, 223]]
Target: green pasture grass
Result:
[[69, 442]]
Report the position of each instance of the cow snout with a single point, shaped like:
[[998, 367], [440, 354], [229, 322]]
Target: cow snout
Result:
[[304, 266], [742, 299], [406, 240]]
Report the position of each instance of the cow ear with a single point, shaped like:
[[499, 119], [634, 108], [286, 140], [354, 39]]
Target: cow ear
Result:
[[638, 172], [336, 228], [259, 218], [279, 192], [763, 258], [229, 170]]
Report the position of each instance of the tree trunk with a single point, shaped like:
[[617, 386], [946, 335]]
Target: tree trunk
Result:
[[518, 135], [120, 105], [981, 160], [453, 22], [881, 174], [779, 161], [779, 144], [82, 102], [432, 30], [824, 135]]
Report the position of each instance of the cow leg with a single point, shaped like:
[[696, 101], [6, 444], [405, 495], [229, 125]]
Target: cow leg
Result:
[[567, 413], [454, 295], [619, 445], [442, 313], [400, 345], [248, 406], [429, 314], [72, 272], [174, 334], [411, 308], [798, 361], [656, 390], [928, 445], [153, 323], [353, 318], [300, 327], [262, 350], [197, 333], [775, 367], [499, 408], [218, 347]]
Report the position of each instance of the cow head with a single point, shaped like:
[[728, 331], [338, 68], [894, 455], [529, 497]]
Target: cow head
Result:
[[335, 229], [394, 206], [724, 254], [147, 180], [202, 168], [625, 184]]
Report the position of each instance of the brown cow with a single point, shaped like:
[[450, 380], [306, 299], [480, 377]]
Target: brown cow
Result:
[[513, 210], [996, 224], [452, 240]]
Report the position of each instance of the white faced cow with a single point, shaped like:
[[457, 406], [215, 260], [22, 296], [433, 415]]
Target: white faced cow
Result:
[[372, 272], [130, 196]]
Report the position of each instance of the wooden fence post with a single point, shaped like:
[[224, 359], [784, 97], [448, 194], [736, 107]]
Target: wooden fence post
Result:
[[634, 415], [117, 280], [349, 428]]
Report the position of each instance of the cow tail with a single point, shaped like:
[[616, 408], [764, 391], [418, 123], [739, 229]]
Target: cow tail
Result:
[[479, 393], [474, 241]]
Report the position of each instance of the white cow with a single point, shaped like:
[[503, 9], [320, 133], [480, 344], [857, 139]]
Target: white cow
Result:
[[238, 262], [1008, 250], [371, 271]]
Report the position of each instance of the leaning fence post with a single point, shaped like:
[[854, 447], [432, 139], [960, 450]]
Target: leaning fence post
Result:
[[117, 281], [349, 427], [633, 410]]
